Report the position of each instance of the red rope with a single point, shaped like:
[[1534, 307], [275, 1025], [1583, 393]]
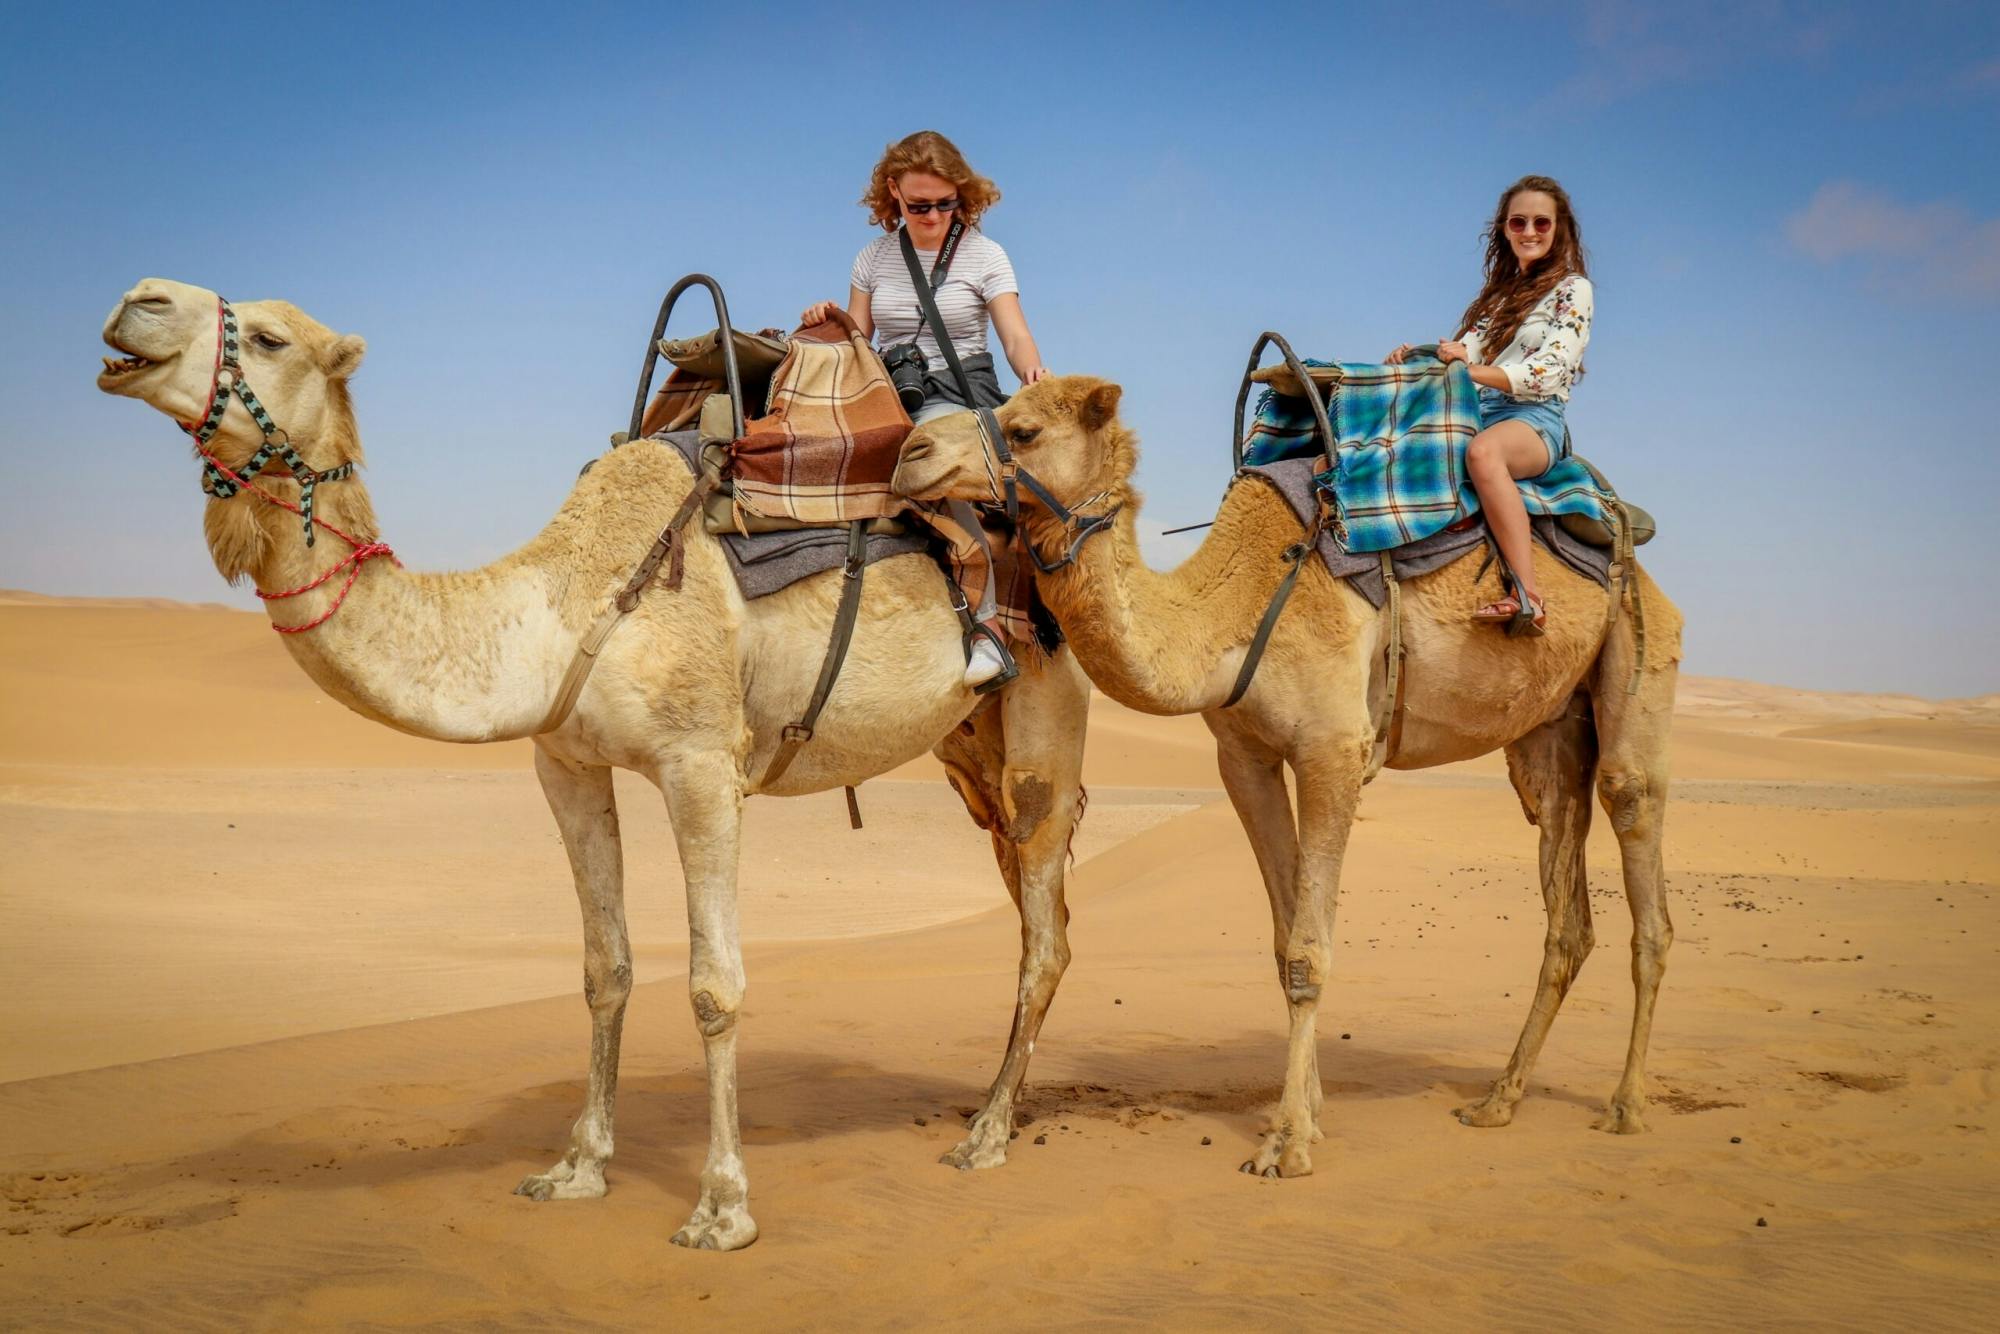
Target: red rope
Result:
[[352, 562]]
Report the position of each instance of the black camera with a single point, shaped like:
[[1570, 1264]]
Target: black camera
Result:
[[906, 365]]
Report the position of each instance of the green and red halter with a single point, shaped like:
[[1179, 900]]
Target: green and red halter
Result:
[[222, 482]]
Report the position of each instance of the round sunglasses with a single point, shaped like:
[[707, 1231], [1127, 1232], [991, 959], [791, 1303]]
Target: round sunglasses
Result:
[[1518, 224], [941, 205]]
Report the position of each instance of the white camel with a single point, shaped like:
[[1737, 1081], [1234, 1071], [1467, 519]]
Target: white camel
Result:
[[692, 691]]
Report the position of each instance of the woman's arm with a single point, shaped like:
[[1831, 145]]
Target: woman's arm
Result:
[[858, 309], [1491, 377], [1012, 326]]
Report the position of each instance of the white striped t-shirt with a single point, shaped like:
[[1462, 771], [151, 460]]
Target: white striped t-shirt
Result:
[[979, 272]]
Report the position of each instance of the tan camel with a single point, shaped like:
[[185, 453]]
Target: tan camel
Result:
[[692, 692], [1173, 643]]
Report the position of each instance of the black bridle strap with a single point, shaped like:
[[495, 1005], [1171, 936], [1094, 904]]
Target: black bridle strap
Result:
[[227, 382]]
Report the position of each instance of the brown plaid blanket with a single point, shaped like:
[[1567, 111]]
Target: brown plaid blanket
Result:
[[825, 451]]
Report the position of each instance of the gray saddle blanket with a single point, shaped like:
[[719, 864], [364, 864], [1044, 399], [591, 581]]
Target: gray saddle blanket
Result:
[[766, 562], [1293, 479]]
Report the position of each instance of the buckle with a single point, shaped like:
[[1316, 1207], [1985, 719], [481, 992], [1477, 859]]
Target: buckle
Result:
[[797, 732]]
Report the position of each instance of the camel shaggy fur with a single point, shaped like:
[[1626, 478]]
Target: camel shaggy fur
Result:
[[692, 691], [1171, 643]]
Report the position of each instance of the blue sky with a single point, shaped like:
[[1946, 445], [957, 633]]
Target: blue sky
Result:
[[1792, 210]]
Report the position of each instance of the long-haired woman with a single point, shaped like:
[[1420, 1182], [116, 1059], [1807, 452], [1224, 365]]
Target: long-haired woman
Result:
[[1522, 341]]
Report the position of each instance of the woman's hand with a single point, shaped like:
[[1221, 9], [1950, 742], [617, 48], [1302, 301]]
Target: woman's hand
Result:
[[1399, 356], [1034, 373], [816, 313], [1450, 352]]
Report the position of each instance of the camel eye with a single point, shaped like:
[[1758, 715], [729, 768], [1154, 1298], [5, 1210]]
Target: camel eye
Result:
[[269, 342], [1024, 435]]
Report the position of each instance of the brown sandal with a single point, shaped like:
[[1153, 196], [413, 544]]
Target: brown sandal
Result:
[[1522, 616]]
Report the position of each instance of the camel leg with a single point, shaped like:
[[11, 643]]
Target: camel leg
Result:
[[705, 802], [1329, 789], [1028, 756], [1254, 777], [1632, 783], [1551, 770], [587, 814]]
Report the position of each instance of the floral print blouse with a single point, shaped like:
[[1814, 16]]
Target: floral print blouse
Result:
[[1545, 360]]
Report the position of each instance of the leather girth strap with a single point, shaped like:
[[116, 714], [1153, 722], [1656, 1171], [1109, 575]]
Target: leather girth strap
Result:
[[1389, 715], [797, 734], [1297, 554], [1389, 721], [669, 549]]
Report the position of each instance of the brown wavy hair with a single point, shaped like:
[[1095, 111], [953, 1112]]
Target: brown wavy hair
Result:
[[1509, 293], [926, 151]]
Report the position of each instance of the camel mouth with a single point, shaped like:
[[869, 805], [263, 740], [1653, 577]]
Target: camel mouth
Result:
[[120, 372]]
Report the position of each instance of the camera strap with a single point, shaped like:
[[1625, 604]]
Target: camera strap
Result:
[[927, 302], [988, 424]]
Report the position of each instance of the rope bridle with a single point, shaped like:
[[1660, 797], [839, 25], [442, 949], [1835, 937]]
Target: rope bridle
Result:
[[1077, 527], [222, 482]]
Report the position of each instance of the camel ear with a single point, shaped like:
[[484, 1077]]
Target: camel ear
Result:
[[348, 351], [1100, 405]]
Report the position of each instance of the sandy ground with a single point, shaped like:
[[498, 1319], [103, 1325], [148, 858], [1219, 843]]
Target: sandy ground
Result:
[[288, 1003]]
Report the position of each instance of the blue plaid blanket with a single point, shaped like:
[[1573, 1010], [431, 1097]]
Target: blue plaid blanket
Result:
[[1398, 471]]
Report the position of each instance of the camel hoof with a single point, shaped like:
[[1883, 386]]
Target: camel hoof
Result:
[[1620, 1119], [970, 1157], [729, 1231], [1493, 1111], [562, 1184]]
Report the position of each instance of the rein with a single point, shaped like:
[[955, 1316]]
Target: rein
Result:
[[222, 482]]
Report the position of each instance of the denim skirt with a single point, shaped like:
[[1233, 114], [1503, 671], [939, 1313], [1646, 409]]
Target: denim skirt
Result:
[[1546, 416]]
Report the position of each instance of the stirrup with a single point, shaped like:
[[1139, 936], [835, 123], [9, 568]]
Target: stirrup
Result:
[[1010, 670], [1521, 625]]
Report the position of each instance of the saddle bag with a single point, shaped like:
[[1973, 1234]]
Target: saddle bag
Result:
[[1595, 532]]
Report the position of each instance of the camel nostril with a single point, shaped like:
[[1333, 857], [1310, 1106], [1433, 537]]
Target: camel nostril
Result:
[[914, 449]]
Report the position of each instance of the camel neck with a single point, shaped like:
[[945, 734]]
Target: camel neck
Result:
[[1171, 642], [465, 656]]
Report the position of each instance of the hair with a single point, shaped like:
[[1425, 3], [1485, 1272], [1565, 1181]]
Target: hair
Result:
[[926, 151], [1509, 294]]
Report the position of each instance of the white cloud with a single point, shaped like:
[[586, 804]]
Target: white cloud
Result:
[[1938, 245]]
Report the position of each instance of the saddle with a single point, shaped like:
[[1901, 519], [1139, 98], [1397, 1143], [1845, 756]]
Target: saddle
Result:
[[822, 451]]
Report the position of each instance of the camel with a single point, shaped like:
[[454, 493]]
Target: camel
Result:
[[692, 692], [1172, 643]]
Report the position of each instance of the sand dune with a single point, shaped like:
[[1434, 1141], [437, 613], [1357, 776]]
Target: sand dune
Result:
[[278, 1071]]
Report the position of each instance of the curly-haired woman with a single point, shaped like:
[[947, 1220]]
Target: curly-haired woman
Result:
[[923, 185], [1523, 342]]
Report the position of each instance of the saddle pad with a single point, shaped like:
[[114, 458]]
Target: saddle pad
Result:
[[1400, 433], [763, 563], [1293, 479]]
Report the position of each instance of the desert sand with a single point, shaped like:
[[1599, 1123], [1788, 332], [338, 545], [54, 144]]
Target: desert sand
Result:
[[290, 1002]]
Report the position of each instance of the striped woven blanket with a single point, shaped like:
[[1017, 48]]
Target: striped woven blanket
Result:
[[1398, 471]]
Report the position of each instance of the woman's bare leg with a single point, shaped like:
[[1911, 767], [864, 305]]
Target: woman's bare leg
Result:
[[1497, 456]]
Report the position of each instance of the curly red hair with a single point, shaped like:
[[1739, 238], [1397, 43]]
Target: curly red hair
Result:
[[926, 151]]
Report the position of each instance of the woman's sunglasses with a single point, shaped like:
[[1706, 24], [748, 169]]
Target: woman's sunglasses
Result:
[[941, 205], [1518, 224]]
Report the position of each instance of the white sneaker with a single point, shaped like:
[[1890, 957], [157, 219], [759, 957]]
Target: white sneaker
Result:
[[985, 662]]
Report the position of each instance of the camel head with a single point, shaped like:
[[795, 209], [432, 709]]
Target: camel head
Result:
[[1065, 430], [168, 333], [297, 366]]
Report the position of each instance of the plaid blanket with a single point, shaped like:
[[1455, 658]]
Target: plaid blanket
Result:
[[1398, 471], [827, 447]]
